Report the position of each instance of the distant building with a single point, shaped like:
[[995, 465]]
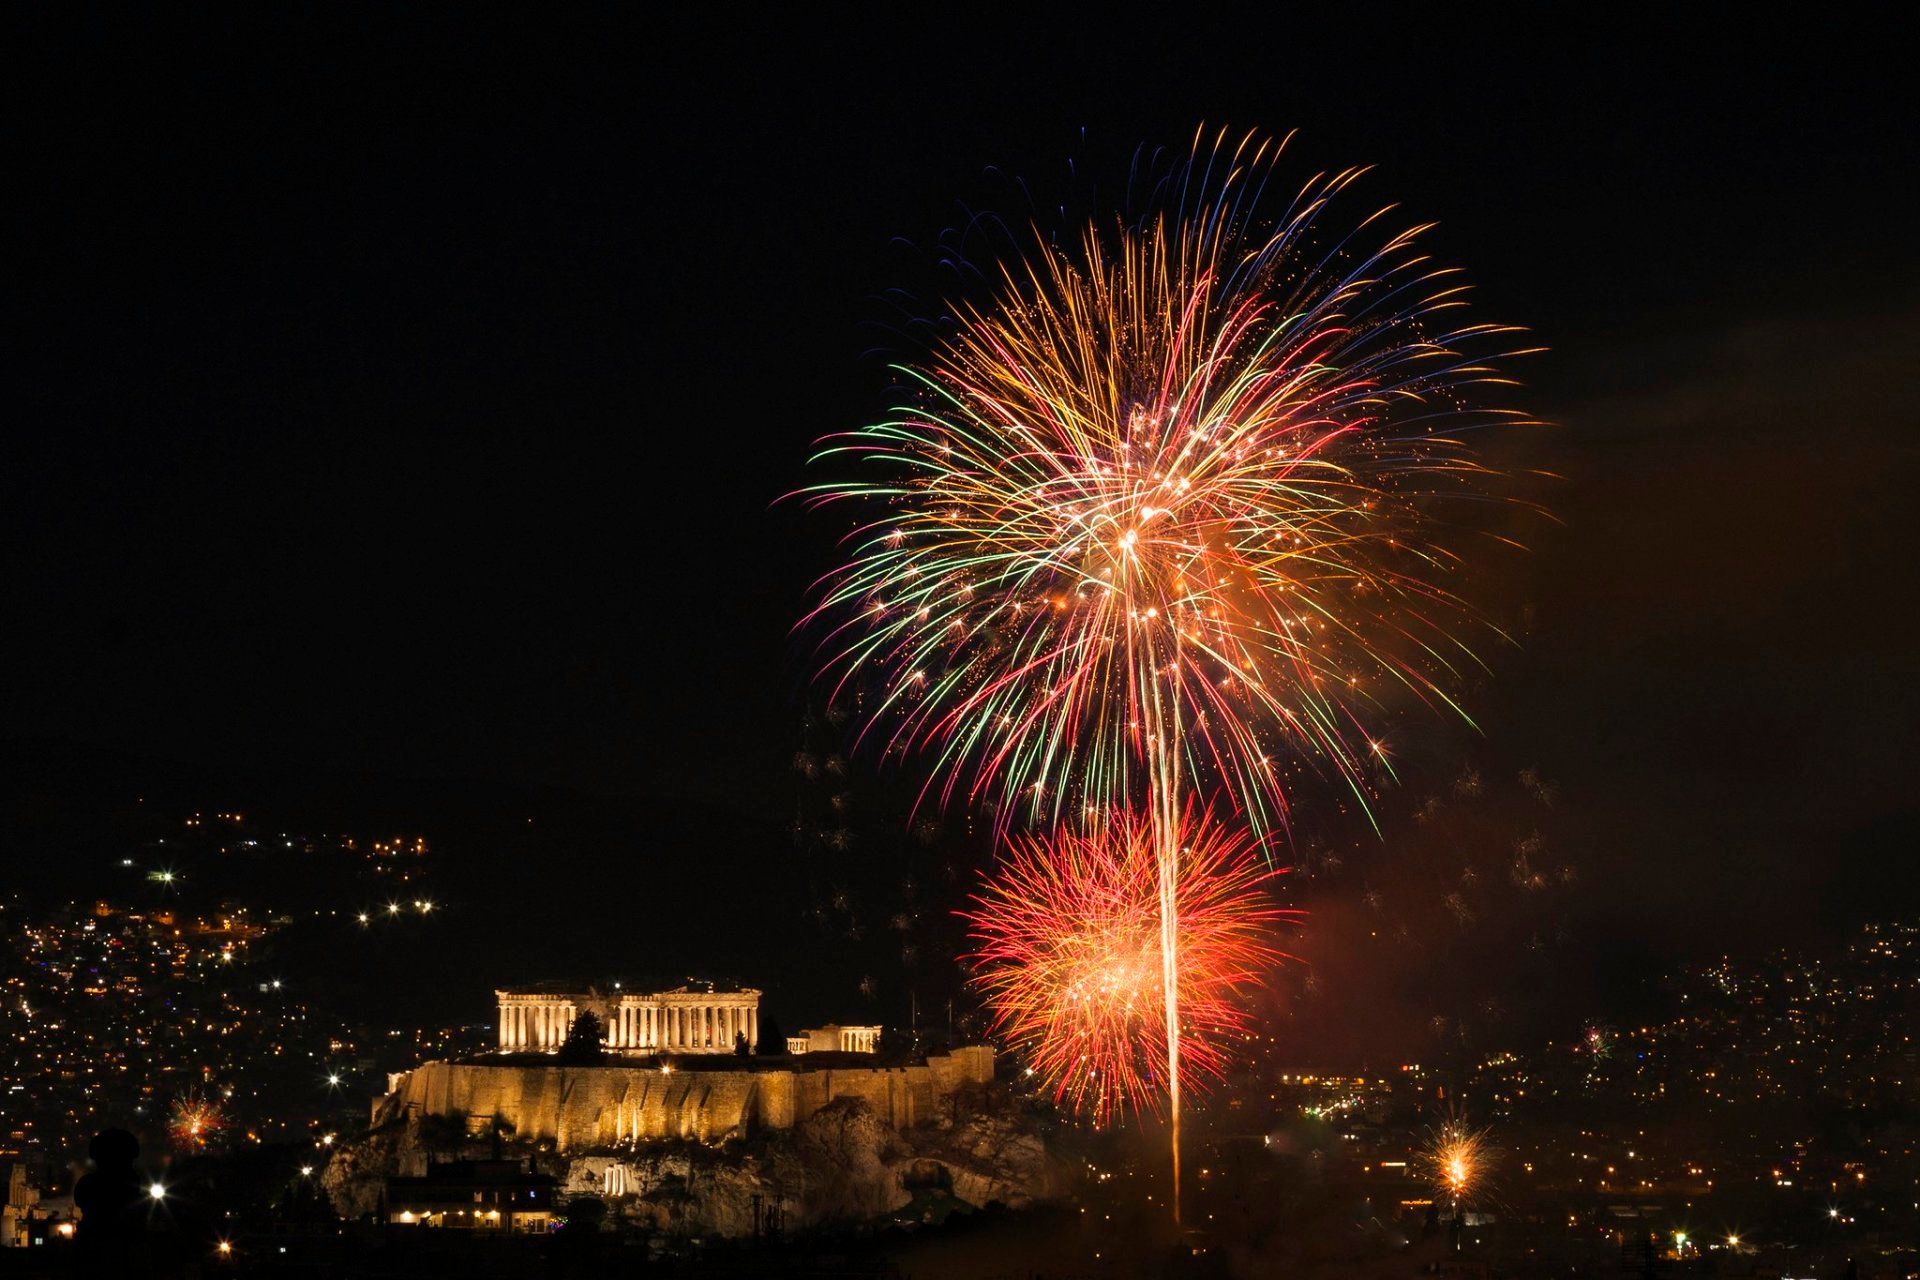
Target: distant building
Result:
[[474, 1195], [834, 1038], [26, 1218], [690, 1019]]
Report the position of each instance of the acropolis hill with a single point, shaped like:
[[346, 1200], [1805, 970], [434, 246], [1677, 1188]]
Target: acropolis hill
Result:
[[667, 1074], [678, 1130]]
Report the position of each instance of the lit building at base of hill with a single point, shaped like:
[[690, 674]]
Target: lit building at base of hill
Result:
[[834, 1038], [474, 1195]]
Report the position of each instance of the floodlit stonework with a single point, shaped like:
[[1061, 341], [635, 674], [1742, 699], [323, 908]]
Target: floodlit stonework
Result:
[[834, 1038], [582, 1108], [662, 1078], [683, 1020]]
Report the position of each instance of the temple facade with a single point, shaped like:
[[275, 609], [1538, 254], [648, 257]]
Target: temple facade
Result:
[[684, 1020], [834, 1038]]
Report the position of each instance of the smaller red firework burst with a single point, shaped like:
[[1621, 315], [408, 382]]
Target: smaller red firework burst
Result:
[[1068, 933]]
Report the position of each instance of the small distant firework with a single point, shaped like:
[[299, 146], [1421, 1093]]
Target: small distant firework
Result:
[[195, 1120], [1068, 933], [1599, 1040], [1456, 1160]]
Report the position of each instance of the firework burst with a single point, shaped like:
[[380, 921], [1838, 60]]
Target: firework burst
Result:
[[1457, 1159], [1068, 950], [195, 1120], [1169, 502]]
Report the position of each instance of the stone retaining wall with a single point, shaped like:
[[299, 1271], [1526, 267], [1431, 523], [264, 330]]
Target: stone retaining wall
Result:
[[578, 1108]]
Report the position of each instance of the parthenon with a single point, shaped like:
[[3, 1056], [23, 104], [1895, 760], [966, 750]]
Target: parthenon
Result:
[[683, 1020]]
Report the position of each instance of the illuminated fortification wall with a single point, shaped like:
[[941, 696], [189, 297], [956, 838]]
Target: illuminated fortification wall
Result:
[[579, 1108]]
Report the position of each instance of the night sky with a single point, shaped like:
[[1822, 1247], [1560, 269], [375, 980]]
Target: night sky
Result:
[[409, 395]]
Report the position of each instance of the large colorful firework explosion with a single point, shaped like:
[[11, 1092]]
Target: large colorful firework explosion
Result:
[[1067, 936], [1168, 501]]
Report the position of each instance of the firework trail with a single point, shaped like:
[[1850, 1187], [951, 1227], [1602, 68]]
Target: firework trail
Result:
[[1068, 949], [1165, 512]]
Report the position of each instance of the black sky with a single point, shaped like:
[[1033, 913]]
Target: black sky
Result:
[[408, 391]]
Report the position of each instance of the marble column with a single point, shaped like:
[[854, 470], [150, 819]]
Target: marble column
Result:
[[753, 1023]]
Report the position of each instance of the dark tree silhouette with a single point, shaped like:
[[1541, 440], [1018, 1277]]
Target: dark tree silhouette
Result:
[[773, 1042], [583, 1047]]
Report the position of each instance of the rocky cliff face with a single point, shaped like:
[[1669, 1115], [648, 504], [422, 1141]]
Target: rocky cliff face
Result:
[[992, 1157], [843, 1164], [357, 1175]]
